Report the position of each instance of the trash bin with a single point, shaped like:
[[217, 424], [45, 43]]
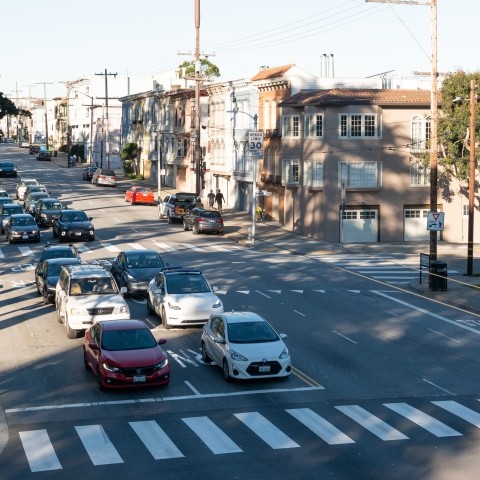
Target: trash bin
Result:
[[438, 277]]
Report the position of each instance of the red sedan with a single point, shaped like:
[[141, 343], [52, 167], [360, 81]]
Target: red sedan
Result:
[[124, 353], [140, 195]]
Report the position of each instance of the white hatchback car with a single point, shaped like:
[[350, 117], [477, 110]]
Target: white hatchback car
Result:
[[182, 297], [22, 187], [245, 346]]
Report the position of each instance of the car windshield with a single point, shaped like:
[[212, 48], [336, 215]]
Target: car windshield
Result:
[[52, 205], [182, 284], [74, 217], [210, 214], [251, 332], [54, 270], [11, 210], [94, 286], [143, 190], [64, 253], [144, 260], [130, 339], [23, 221]]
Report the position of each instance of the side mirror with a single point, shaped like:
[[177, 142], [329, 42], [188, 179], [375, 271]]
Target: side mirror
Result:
[[123, 290], [162, 341], [214, 289], [219, 340]]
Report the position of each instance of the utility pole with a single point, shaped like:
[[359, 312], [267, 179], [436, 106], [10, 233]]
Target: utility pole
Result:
[[107, 142], [45, 103], [434, 112], [471, 179], [198, 77]]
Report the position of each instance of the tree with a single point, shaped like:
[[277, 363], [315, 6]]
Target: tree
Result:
[[208, 70], [129, 156], [454, 134], [7, 107]]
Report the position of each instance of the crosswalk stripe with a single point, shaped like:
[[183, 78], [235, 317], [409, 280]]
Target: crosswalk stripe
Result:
[[437, 428], [372, 423], [214, 438], [319, 426], [97, 444], [1, 254], [193, 247], [164, 246], [156, 440], [268, 432], [137, 246], [39, 451], [26, 251], [220, 248], [461, 411], [110, 247]]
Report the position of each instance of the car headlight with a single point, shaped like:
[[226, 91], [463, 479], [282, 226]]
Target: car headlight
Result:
[[237, 356], [217, 304], [78, 312], [121, 309], [130, 277], [110, 368], [162, 364], [43, 215], [285, 353], [173, 307]]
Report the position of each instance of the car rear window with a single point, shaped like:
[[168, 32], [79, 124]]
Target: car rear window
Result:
[[108, 173]]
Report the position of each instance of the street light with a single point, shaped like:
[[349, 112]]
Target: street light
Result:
[[254, 173], [92, 107]]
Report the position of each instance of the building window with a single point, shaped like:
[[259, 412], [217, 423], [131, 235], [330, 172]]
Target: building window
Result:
[[291, 126], [360, 174], [313, 174], [356, 125], [421, 134], [313, 127], [419, 175], [291, 170], [179, 147]]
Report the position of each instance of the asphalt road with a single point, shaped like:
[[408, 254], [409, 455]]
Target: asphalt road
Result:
[[384, 386]]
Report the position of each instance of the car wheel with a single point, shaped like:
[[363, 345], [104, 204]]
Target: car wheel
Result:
[[38, 290], [45, 297], [205, 356], [226, 373], [9, 239], [59, 318], [160, 214], [99, 379], [195, 229], [71, 332], [149, 306], [85, 362], [163, 316], [185, 228], [169, 219]]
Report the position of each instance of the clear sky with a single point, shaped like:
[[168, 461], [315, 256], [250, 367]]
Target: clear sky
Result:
[[58, 40]]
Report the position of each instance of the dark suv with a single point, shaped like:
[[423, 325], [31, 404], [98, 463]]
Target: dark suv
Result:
[[8, 169], [202, 220], [177, 205]]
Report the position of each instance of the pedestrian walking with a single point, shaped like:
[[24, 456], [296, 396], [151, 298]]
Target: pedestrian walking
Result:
[[219, 198], [211, 199]]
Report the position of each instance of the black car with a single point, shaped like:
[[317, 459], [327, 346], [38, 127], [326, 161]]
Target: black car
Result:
[[44, 155], [8, 209], [34, 149], [47, 274], [46, 209], [88, 172], [71, 224], [8, 169], [135, 268], [203, 220], [32, 200], [22, 227], [57, 251]]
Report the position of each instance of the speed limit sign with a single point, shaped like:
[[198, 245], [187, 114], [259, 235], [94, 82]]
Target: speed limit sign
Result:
[[255, 141]]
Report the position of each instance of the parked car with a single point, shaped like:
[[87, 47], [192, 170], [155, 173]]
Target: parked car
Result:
[[34, 149], [245, 346], [71, 224], [134, 269], [22, 186], [44, 155], [46, 209], [47, 274], [140, 195], [85, 295], [201, 220], [8, 209], [105, 177], [21, 227], [88, 172], [124, 353], [32, 200], [182, 297], [176, 205], [25, 144], [8, 169]]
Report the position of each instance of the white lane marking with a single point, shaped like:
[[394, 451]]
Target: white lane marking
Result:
[[220, 248], [372, 423], [268, 432], [343, 336], [26, 251], [297, 291], [97, 444], [164, 246], [137, 246], [110, 247], [39, 451], [192, 388], [156, 440], [300, 313], [246, 292], [432, 425], [1, 254], [319, 426], [437, 386], [320, 291], [193, 247], [275, 291], [426, 312], [461, 411], [443, 335], [214, 438], [264, 294]]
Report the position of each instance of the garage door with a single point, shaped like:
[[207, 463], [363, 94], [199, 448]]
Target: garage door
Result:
[[415, 225], [360, 226]]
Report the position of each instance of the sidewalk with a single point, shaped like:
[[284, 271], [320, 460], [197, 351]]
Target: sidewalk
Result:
[[462, 291]]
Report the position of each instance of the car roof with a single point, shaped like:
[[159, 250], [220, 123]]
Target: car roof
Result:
[[86, 271], [133, 324], [170, 271], [21, 215], [136, 251], [60, 247], [241, 317], [63, 261]]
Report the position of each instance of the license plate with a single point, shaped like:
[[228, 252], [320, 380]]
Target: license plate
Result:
[[264, 368], [78, 233], [24, 237], [139, 378]]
